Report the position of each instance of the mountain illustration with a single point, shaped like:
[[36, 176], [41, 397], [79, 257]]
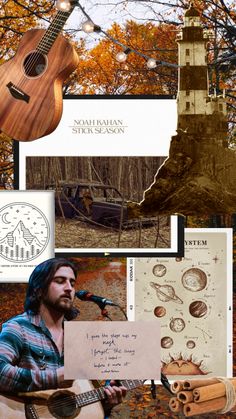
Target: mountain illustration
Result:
[[22, 237]]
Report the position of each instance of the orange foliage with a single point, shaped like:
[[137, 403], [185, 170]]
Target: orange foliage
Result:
[[16, 19], [99, 72], [6, 162]]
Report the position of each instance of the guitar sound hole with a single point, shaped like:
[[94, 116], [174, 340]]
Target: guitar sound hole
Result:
[[34, 64], [62, 405]]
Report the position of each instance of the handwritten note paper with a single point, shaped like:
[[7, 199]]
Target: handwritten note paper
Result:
[[120, 350]]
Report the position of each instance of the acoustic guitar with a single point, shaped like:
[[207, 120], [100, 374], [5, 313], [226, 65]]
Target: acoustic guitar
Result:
[[31, 82], [80, 401]]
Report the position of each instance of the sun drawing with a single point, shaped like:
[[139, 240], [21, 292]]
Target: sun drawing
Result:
[[183, 366]]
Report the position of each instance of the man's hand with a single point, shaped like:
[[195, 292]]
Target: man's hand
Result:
[[115, 395]]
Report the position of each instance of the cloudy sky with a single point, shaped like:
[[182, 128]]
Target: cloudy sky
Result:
[[105, 13]]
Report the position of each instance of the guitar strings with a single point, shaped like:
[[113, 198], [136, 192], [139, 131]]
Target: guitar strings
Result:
[[36, 54], [67, 399], [34, 58], [30, 63]]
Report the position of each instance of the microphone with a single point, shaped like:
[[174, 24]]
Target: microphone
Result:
[[100, 301]]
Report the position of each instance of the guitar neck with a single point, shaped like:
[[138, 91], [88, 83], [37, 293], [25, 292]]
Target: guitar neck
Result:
[[53, 31], [99, 394]]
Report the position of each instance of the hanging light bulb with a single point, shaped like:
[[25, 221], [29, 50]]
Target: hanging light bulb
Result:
[[89, 27], [151, 63], [63, 5], [121, 56]]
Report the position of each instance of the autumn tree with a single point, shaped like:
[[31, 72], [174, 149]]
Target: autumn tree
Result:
[[153, 27], [6, 162], [16, 17], [151, 33], [100, 73]]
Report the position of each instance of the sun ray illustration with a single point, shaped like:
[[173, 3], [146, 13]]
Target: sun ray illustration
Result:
[[183, 365]]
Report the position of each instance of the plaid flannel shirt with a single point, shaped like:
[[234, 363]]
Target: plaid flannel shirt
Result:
[[28, 355]]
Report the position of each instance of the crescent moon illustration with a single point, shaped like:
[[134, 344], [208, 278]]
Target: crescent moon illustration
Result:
[[4, 218]]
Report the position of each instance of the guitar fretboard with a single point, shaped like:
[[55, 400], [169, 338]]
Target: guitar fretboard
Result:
[[90, 397], [99, 394], [53, 31]]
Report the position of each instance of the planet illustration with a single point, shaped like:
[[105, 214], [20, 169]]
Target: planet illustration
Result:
[[159, 311], [198, 309], [190, 344], [166, 293], [177, 325], [166, 342], [194, 279], [159, 270]]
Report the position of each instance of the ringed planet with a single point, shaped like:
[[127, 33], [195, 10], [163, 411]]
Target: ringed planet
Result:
[[166, 293]]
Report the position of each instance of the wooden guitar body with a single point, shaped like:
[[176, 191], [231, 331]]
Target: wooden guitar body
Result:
[[81, 401], [59, 406], [31, 87]]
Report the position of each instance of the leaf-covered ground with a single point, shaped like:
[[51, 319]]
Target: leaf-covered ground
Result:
[[108, 281], [139, 404], [71, 233]]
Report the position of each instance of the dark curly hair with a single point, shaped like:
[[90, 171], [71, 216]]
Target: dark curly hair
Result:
[[39, 282]]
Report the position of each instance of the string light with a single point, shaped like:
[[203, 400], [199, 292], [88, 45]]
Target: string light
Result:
[[121, 56], [151, 63], [63, 5], [89, 27]]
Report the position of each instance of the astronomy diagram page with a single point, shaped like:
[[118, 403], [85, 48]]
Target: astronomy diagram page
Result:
[[192, 299]]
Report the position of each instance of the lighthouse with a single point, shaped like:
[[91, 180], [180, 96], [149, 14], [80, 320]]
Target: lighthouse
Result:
[[198, 112], [199, 175]]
